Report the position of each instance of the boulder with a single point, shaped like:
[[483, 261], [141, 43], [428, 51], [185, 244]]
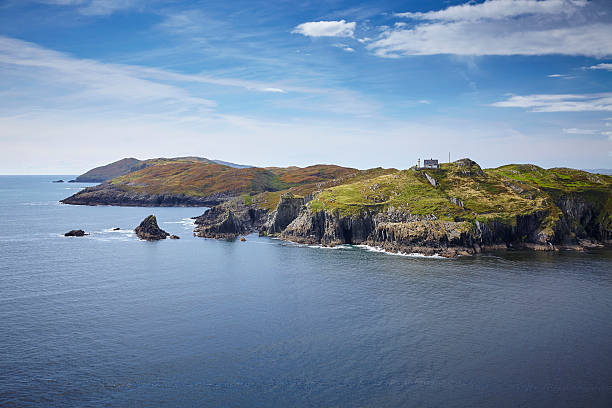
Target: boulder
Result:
[[149, 230], [75, 233], [58, 181], [174, 237]]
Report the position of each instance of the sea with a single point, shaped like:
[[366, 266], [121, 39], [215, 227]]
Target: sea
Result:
[[110, 320]]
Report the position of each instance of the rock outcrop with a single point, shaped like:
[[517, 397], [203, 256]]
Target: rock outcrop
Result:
[[229, 220], [75, 233], [287, 210], [149, 230]]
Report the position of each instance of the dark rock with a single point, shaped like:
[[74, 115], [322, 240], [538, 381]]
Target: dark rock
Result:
[[287, 210], [58, 181], [109, 194], [229, 220], [149, 230], [116, 229], [75, 233], [174, 237]]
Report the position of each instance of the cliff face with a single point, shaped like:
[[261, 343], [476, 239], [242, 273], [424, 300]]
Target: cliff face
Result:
[[396, 231], [287, 210], [229, 219]]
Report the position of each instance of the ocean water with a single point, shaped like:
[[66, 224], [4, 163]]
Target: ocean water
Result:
[[109, 320]]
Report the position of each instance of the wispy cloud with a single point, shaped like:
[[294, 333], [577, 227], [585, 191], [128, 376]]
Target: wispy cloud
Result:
[[497, 10], [95, 7], [576, 131], [604, 66], [76, 81], [344, 47], [560, 103], [326, 29], [502, 27]]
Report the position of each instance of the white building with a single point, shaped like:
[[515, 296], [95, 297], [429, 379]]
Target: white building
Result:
[[430, 164]]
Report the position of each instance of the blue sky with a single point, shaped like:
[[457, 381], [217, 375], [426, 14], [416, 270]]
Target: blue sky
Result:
[[86, 82]]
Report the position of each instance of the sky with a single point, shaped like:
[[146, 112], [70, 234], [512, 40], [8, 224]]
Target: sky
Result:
[[277, 83]]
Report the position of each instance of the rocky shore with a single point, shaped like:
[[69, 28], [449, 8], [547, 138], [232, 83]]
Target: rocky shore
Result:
[[107, 194], [579, 227]]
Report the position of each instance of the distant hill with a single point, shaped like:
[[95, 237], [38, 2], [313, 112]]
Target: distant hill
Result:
[[234, 165], [188, 182], [600, 171], [128, 165]]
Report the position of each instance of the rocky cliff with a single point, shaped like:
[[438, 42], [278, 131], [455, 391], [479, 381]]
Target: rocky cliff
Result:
[[456, 210], [287, 210], [230, 219]]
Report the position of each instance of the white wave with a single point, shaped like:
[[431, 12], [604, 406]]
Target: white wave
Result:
[[37, 203], [188, 223], [343, 246], [129, 232], [412, 254]]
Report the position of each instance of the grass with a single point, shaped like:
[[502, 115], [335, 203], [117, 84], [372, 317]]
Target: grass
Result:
[[463, 190], [500, 194]]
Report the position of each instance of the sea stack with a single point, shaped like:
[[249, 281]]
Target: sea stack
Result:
[[149, 230], [75, 233]]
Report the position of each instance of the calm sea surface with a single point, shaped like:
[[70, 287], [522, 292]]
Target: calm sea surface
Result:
[[108, 320]]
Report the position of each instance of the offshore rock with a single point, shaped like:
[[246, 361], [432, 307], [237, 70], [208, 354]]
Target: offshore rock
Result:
[[149, 230], [75, 233]]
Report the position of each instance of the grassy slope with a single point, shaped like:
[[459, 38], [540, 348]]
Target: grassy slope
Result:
[[500, 193], [127, 165], [205, 179]]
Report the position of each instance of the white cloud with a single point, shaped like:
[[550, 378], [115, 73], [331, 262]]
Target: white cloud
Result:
[[344, 47], [562, 76], [275, 90], [326, 29], [576, 131], [503, 27], [94, 7], [560, 103], [604, 66], [498, 9]]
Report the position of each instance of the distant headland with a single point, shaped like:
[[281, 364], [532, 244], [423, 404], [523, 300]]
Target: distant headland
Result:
[[451, 209]]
